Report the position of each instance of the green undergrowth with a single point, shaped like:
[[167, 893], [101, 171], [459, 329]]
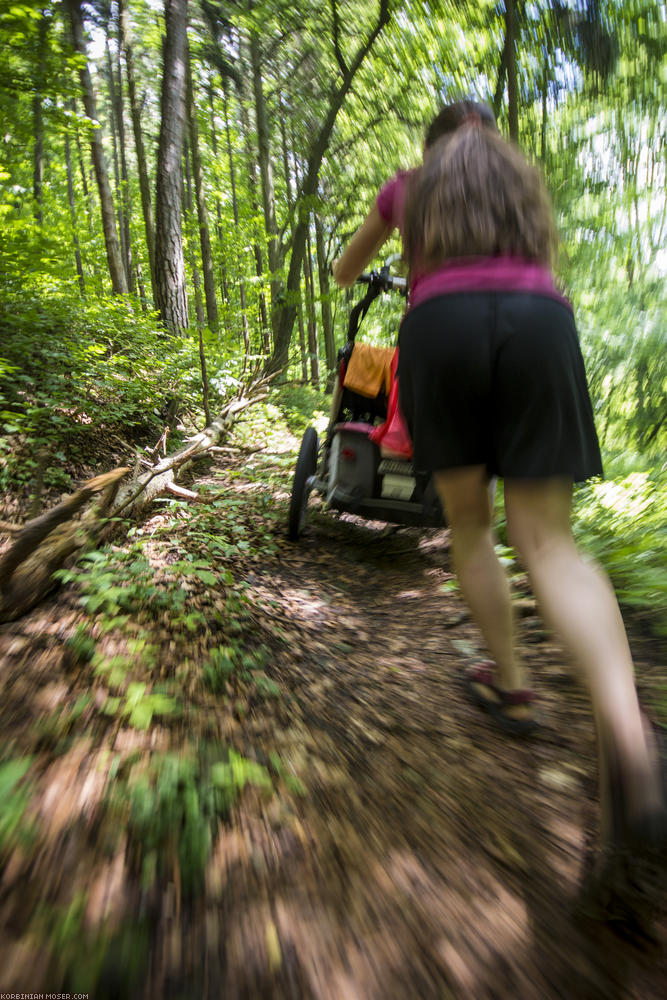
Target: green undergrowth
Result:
[[622, 523], [78, 377]]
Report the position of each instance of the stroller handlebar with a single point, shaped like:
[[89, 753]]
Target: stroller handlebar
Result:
[[384, 281]]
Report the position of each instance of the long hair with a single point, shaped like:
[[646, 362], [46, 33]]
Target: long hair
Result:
[[475, 195]]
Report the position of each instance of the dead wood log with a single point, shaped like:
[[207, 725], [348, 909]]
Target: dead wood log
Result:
[[146, 487], [46, 543]]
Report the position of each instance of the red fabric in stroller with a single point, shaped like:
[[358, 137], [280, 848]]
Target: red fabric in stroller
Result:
[[393, 437]]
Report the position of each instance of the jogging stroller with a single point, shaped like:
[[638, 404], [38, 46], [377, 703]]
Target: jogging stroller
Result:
[[364, 465]]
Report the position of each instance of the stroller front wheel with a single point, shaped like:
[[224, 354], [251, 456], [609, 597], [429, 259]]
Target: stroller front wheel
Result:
[[306, 465]]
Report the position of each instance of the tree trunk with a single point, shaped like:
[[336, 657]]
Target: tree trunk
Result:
[[235, 210], [188, 213], [135, 114], [280, 357], [266, 177], [500, 82], [202, 214], [303, 347], [114, 259], [543, 126], [115, 126], [170, 291], [222, 243], [512, 83], [313, 347], [38, 122], [257, 250], [325, 303], [124, 174], [72, 211]]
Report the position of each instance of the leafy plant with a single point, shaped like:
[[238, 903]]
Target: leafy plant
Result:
[[173, 806], [14, 795]]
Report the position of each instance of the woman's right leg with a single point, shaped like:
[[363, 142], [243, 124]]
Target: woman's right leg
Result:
[[577, 600]]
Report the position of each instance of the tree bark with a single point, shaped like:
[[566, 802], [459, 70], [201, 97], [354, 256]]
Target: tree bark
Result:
[[266, 177], [115, 116], [170, 290], [38, 122], [202, 214], [114, 259], [325, 303], [135, 114], [235, 210], [222, 243], [257, 250], [188, 212], [313, 347], [512, 83], [124, 174], [72, 212]]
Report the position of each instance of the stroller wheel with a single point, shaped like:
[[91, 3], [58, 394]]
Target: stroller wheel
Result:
[[306, 465]]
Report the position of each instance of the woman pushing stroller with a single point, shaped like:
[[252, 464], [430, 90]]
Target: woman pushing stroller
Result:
[[492, 383]]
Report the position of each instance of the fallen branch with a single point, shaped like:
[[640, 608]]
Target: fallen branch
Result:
[[45, 543], [180, 491]]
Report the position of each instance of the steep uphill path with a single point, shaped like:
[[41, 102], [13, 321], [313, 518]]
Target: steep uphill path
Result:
[[371, 835]]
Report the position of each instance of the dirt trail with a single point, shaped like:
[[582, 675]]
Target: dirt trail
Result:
[[429, 856]]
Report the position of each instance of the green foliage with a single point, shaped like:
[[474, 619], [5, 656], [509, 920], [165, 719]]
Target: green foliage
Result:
[[140, 705], [237, 661], [71, 372], [623, 523], [14, 797], [116, 583], [172, 808], [300, 405]]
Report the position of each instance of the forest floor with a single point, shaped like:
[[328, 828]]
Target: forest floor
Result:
[[234, 766]]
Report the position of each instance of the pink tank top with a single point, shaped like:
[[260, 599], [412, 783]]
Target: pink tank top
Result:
[[466, 274]]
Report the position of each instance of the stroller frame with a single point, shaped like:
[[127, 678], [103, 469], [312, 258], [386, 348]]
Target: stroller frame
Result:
[[348, 468]]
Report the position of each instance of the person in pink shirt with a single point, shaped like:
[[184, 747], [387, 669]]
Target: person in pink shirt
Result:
[[492, 383]]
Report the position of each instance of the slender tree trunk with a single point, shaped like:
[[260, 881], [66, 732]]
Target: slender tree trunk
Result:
[[188, 216], [38, 123], [202, 214], [235, 210], [135, 114], [303, 346], [170, 291], [72, 212], [500, 82], [543, 126], [114, 259], [115, 124], [313, 347], [257, 250], [512, 83], [222, 242], [325, 303], [124, 173], [266, 176]]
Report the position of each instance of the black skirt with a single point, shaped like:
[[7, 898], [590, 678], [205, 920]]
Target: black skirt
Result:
[[497, 378]]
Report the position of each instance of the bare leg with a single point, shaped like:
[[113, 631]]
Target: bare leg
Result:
[[465, 496], [578, 602]]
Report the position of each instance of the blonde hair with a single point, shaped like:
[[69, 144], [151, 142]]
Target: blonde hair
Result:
[[475, 195]]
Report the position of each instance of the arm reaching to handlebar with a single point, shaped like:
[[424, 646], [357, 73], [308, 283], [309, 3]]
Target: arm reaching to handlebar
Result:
[[362, 248]]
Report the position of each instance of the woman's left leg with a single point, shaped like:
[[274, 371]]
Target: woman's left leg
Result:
[[465, 496]]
